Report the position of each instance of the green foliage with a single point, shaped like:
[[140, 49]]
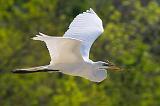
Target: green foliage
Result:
[[131, 40]]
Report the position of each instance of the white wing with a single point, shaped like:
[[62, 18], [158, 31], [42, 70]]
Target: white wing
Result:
[[61, 49], [85, 27]]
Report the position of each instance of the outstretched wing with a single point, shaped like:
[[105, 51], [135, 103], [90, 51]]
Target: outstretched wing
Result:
[[85, 27], [61, 50]]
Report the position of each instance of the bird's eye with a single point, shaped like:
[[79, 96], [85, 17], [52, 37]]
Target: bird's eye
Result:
[[105, 64]]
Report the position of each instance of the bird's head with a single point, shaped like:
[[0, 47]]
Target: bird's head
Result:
[[107, 65]]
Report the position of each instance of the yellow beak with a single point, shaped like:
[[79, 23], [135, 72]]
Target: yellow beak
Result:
[[113, 67]]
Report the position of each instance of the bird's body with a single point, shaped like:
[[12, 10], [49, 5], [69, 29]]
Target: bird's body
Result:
[[70, 53], [67, 58], [83, 69]]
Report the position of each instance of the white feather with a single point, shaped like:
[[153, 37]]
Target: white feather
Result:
[[86, 27], [61, 49]]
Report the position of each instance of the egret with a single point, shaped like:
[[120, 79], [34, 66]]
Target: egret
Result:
[[70, 53]]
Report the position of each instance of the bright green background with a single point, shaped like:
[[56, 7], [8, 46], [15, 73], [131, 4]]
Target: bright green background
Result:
[[131, 39]]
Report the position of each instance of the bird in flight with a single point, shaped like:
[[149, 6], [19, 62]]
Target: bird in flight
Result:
[[70, 53]]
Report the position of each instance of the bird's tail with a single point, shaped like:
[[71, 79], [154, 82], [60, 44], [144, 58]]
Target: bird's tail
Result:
[[34, 69]]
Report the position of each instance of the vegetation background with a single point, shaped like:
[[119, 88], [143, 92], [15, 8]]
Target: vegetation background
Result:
[[131, 39]]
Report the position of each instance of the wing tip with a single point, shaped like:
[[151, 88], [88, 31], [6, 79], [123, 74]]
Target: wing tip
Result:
[[42, 34], [39, 37], [92, 11]]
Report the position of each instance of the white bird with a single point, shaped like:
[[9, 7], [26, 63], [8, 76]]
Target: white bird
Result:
[[70, 53]]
